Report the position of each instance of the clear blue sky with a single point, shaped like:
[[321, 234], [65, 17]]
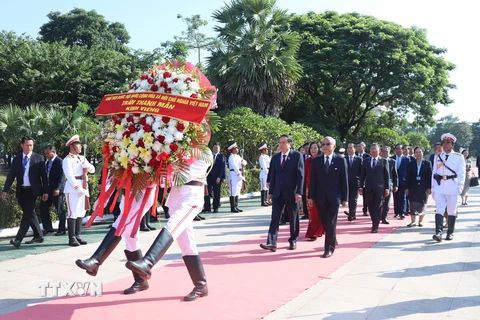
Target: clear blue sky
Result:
[[450, 24]]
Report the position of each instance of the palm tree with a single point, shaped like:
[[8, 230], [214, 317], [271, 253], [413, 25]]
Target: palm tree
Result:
[[255, 64]]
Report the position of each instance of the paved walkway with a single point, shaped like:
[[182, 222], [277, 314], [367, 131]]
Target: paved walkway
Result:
[[406, 275]]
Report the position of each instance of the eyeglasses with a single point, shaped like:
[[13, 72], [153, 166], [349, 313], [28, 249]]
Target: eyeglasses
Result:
[[326, 144]]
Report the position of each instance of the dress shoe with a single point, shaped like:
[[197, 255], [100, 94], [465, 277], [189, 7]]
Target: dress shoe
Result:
[[385, 221], [352, 218], [15, 243], [365, 214], [346, 213], [197, 218], [402, 216], [327, 254], [61, 233], [201, 218], [205, 210], [313, 238], [34, 240], [292, 246], [282, 223], [374, 230], [144, 229], [304, 217], [215, 210], [48, 231], [270, 247]]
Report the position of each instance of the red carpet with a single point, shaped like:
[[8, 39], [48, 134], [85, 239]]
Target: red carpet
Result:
[[245, 281]]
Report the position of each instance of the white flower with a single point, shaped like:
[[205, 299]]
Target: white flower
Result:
[[144, 85], [194, 86], [172, 130], [157, 146], [158, 132], [147, 158], [178, 136], [168, 138], [172, 122], [135, 169], [147, 168], [181, 86], [166, 148], [149, 120], [157, 125]]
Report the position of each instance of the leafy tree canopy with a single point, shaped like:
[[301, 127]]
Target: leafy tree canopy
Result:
[[353, 63], [462, 130], [85, 28]]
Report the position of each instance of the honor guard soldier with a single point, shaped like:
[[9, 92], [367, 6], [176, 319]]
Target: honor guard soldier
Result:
[[235, 176], [76, 192], [448, 177], [264, 161]]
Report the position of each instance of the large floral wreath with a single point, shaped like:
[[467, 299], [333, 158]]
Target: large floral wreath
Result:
[[141, 148]]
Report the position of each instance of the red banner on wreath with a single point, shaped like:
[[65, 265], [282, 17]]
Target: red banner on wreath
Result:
[[178, 107]]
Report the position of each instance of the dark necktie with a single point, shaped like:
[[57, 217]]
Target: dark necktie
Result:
[[351, 161], [49, 166], [25, 162], [283, 160], [327, 165], [446, 157], [374, 163]]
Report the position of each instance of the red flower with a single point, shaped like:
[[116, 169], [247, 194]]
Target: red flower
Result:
[[175, 80], [121, 115], [154, 87], [130, 118], [165, 120], [150, 80], [173, 147], [132, 128], [126, 134], [164, 156], [114, 149], [168, 90], [180, 126], [154, 155], [136, 114], [147, 128], [188, 80], [160, 139], [167, 75], [153, 162], [117, 121], [164, 84], [143, 77], [193, 95], [133, 86], [143, 121], [140, 143]]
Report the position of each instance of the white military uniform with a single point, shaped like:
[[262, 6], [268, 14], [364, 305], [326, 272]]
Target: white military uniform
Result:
[[185, 203], [264, 162], [446, 194], [74, 192], [235, 177]]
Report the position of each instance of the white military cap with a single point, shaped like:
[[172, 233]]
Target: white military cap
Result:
[[449, 137], [72, 140], [341, 150], [233, 146], [263, 147]]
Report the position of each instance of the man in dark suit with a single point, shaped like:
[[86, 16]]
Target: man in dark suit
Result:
[[55, 179], [286, 189], [215, 178], [305, 155], [354, 164], [374, 183], [329, 189], [438, 149], [29, 170], [399, 197], [365, 156], [393, 186]]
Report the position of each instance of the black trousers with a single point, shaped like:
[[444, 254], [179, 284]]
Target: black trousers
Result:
[[59, 205], [365, 203], [291, 210], [375, 200], [328, 213], [386, 206], [400, 200], [29, 218], [352, 200], [213, 191], [304, 202]]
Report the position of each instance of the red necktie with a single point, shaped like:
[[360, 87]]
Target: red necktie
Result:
[[283, 161]]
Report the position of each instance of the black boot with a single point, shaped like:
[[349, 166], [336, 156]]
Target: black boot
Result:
[[167, 212], [139, 284], [108, 244], [72, 240], [236, 204], [262, 201], [451, 227], [143, 223], [438, 228], [232, 205], [161, 244], [266, 198], [78, 229], [197, 274], [147, 221]]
